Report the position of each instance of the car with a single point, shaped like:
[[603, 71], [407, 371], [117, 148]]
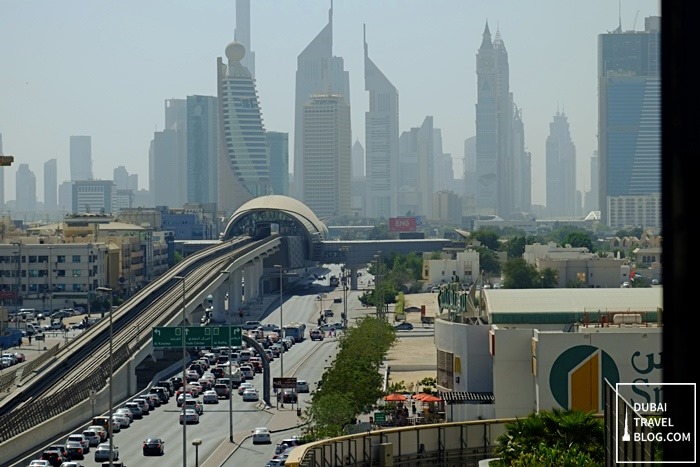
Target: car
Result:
[[337, 300], [286, 443], [243, 386], [654, 282], [261, 435], [250, 395], [403, 326], [210, 397], [270, 327], [135, 409], [39, 463], [190, 416], [60, 447], [71, 464], [123, 420], [144, 404], [93, 437], [53, 456], [75, 450], [250, 325], [102, 431], [155, 446], [289, 396], [222, 390], [102, 453], [302, 385], [124, 412], [196, 405], [316, 335], [275, 463], [328, 313], [79, 438]]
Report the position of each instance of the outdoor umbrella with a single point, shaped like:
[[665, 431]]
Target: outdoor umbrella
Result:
[[394, 397], [430, 398], [420, 396]]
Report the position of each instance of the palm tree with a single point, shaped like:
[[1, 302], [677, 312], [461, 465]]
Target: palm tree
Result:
[[559, 437]]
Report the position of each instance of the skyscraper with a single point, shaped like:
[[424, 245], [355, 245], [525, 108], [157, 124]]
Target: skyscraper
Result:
[[358, 184], [317, 72], [176, 120], [629, 124], [560, 154], [522, 167], [80, 158], [241, 34], [278, 143], [494, 119], [121, 177], [244, 157], [50, 186], [327, 151], [381, 141], [25, 190], [162, 168], [202, 149], [416, 170]]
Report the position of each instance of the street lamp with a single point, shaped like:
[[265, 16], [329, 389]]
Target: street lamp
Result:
[[196, 442], [281, 273], [344, 281], [184, 374], [230, 382], [542, 279], [111, 373]]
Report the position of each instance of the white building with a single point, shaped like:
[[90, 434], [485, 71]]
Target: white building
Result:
[[533, 350], [462, 266]]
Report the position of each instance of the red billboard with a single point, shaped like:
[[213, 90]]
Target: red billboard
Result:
[[402, 224]]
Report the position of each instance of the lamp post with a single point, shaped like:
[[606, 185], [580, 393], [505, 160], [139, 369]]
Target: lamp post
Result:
[[344, 281], [111, 374], [196, 442], [542, 279], [184, 374], [230, 382], [281, 275]]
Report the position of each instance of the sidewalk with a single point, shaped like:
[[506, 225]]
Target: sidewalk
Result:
[[282, 420]]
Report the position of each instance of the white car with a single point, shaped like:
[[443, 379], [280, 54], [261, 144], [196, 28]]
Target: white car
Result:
[[243, 386], [123, 420], [261, 435], [250, 395], [93, 437], [210, 397], [302, 385], [79, 438], [39, 463], [190, 416], [102, 453]]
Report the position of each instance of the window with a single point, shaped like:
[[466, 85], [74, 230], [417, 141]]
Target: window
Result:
[[76, 259], [76, 273]]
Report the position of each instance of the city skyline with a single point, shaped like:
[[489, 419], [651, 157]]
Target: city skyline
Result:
[[128, 72]]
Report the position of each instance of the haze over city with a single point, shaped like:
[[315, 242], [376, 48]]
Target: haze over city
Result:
[[105, 69]]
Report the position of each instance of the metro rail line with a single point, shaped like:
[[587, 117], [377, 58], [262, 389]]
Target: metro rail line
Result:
[[82, 366]]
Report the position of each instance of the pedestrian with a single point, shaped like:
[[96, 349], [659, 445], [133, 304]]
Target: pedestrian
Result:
[[413, 408]]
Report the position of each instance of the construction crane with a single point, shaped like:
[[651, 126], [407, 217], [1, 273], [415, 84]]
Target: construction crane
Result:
[[6, 161]]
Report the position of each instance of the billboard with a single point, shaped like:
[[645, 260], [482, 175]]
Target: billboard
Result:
[[402, 224]]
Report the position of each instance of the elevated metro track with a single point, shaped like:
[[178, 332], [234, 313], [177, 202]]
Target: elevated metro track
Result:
[[82, 367]]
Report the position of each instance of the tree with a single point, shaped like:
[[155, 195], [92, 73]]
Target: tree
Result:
[[516, 247], [487, 238], [518, 274], [579, 239], [488, 261], [559, 437]]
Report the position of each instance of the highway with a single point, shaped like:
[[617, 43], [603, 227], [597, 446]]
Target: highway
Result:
[[305, 360]]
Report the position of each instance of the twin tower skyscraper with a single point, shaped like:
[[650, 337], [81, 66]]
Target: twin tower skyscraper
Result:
[[322, 130]]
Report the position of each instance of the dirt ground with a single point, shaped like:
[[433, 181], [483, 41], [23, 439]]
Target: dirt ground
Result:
[[414, 358]]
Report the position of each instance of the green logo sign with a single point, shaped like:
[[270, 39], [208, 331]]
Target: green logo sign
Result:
[[196, 336]]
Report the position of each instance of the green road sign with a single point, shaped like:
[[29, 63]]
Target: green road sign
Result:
[[196, 336], [379, 417]]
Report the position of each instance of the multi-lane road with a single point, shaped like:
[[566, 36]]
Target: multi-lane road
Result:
[[306, 360]]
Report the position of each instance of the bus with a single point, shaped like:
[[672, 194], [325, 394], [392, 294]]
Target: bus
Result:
[[296, 331]]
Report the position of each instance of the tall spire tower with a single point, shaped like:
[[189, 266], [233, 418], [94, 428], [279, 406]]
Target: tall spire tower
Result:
[[242, 34]]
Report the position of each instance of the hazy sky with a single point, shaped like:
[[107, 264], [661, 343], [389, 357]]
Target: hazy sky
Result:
[[104, 68]]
